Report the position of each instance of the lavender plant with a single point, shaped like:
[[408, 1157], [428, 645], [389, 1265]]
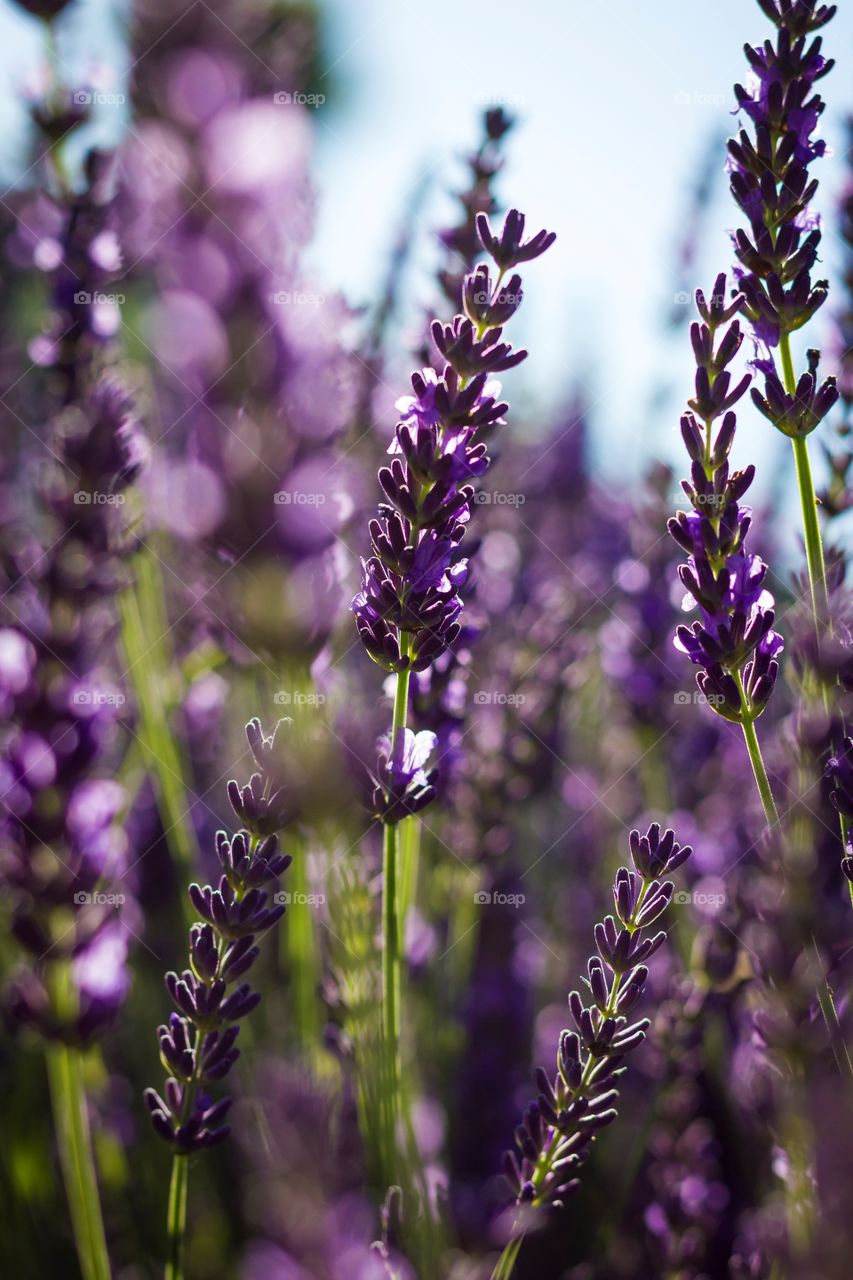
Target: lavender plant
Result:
[[559, 1128], [63, 852], [407, 612], [198, 1044], [734, 643], [771, 184]]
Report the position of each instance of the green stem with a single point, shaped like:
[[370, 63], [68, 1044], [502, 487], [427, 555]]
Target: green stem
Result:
[[74, 1139], [756, 759], [391, 937], [811, 531], [143, 630], [176, 1221], [507, 1260]]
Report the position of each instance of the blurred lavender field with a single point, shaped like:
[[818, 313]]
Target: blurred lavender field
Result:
[[425, 773]]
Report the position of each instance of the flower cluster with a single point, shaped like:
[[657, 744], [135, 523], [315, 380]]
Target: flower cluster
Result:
[[735, 640], [558, 1129], [197, 1046], [771, 184]]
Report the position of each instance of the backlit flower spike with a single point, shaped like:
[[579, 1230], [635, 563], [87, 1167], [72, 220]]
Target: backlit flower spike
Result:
[[558, 1129], [198, 1043], [772, 185], [733, 642]]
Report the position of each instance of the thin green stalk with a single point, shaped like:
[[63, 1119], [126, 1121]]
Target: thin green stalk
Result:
[[756, 759], [508, 1258], [176, 1221], [148, 664], [391, 935], [808, 502], [74, 1139], [302, 952]]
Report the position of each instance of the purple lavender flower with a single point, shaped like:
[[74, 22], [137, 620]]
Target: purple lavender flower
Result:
[[734, 640], [198, 1044], [558, 1129], [769, 176], [407, 612], [771, 183]]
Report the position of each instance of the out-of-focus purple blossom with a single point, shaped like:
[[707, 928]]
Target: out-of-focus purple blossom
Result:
[[63, 848]]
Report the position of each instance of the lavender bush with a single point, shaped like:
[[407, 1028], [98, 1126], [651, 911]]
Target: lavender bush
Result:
[[201, 354]]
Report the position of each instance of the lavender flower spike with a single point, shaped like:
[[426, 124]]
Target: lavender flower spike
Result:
[[198, 1043], [734, 643], [771, 183], [559, 1128], [407, 611]]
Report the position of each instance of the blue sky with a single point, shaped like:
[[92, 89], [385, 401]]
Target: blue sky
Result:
[[618, 103]]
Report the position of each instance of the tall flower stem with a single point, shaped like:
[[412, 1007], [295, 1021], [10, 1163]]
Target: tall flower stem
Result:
[[756, 759], [176, 1219], [391, 934], [808, 501], [74, 1139]]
